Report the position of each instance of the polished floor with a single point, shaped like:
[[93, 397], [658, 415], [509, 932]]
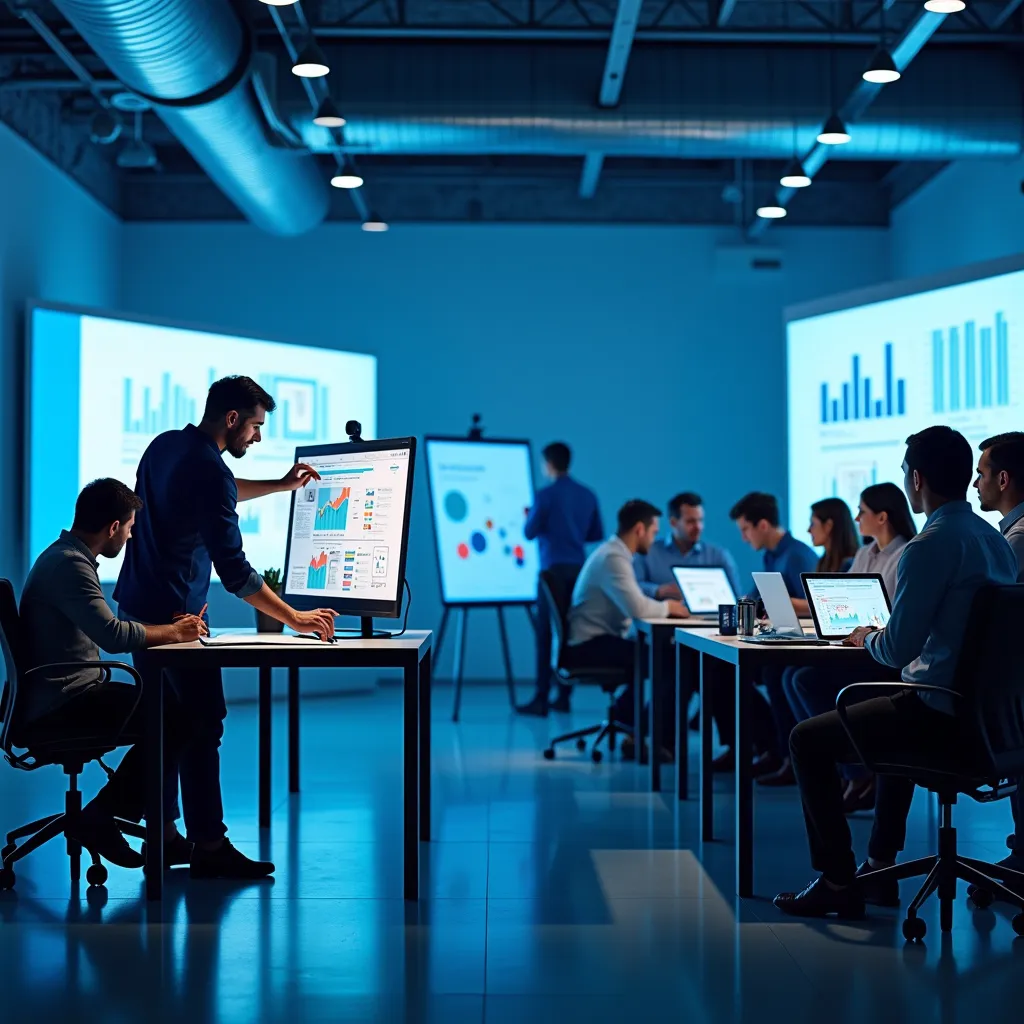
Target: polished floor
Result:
[[555, 892]]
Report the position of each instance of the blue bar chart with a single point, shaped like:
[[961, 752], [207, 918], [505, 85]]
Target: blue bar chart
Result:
[[971, 366], [144, 412], [859, 401]]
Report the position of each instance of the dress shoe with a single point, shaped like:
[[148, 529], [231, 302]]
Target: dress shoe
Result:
[[783, 777], [765, 764], [560, 705], [99, 833], [819, 899], [177, 852], [859, 795], [878, 892], [537, 708], [227, 862], [725, 762]]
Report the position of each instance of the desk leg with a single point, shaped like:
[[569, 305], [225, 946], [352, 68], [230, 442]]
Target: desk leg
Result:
[[293, 729], [687, 668], [744, 792], [460, 658], [411, 783], [425, 669], [710, 672], [153, 717], [655, 655], [638, 699], [266, 679], [506, 655]]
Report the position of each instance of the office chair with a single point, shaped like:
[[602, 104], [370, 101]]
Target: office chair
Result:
[[72, 753], [988, 692], [558, 594]]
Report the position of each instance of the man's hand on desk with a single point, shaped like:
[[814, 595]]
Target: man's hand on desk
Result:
[[320, 621], [668, 592], [678, 610], [187, 628], [859, 635]]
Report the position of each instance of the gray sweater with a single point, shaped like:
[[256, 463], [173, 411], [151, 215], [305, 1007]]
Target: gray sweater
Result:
[[66, 618]]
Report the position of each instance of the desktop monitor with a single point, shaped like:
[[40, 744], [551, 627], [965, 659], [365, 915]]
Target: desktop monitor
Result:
[[348, 532]]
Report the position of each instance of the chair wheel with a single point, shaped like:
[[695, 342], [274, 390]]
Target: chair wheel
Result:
[[7, 878], [96, 874], [1018, 924], [980, 897], [581, 745], [596, 756], [914, 929], [549, 754]]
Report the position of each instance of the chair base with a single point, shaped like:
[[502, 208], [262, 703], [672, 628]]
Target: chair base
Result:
[[608, 730]]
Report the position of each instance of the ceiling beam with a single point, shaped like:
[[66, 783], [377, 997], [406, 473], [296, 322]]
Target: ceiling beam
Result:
[[1006, 13], [623, 31], [724, 12], [591, 175]]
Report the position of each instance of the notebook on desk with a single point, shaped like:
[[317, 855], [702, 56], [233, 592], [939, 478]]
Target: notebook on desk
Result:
[[258, 639]]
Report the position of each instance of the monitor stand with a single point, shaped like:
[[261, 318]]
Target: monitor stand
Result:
[[365, 631]]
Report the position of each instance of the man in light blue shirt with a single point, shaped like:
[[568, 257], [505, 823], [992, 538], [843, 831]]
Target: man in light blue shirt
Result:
[[683, 547], [940, 571]]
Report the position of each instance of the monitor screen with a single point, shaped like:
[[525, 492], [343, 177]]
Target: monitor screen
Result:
[[348, 533], [862, 379], [480, 492], [845, 601], [122, 382], [704, 590]]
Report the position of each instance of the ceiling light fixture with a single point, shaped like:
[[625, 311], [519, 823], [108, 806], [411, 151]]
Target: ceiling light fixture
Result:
[[881, 69], [311, 62], [945, 6], [795, 176], [347, 178], [771, 212], [279, 3], [375, 224], [327, 115], [834, 132]]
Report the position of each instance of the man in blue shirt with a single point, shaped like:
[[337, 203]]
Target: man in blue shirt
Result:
[[939, 573], [565, 518], [187, 525], [683, 547]]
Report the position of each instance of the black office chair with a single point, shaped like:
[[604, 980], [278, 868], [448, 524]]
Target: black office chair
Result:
[[72, 753], [989, 702], [558, 594]]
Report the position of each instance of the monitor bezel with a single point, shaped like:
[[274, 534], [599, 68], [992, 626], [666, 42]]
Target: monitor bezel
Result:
[[805, 576], [360, 607], [702, 568], [475, 602]]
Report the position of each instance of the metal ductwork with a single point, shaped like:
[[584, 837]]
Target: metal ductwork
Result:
[[696, 102], [191, 59]]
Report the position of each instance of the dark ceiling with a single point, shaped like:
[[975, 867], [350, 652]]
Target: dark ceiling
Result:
[[492, 110]]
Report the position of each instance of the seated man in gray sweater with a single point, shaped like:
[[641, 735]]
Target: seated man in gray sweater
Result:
[[66, 618]]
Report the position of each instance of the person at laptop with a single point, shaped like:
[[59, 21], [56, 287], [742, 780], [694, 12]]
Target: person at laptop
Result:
[[606, 600], [1000, 486], [886, 524], [66, 618], [565, 518], [683, 547], [187, 525], [939, 573]]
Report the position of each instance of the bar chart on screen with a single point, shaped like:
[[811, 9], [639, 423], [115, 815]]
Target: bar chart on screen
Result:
[[333, 511], [316, 575], [971, 366], [863, 397]]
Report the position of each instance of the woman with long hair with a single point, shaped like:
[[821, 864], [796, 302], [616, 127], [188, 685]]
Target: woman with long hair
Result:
[[833, 529]]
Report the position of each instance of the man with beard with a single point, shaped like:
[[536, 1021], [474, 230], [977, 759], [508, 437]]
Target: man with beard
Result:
[[187, 525]]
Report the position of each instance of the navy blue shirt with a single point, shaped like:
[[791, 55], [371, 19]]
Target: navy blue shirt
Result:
[[655, 568], [564, 518], [187, 524], [791, 557]]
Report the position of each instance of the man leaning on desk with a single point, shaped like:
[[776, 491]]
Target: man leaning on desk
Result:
[[187, 525]]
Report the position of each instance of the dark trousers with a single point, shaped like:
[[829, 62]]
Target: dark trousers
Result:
[[199, 697], [900, 729], [567, 574]]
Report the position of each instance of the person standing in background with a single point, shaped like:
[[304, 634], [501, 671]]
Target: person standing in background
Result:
[[565, 518]]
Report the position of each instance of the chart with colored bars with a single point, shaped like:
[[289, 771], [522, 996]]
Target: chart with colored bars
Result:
[[859, 402], [971, 366], [332, 510], [316, 577], [839, 615]]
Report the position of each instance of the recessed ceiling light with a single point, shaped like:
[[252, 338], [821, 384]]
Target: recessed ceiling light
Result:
[[881, 69], [771, 212], [795, 176], [311, 62], [834, 133], [944, 6]]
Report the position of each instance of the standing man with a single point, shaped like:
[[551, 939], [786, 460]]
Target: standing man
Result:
[[187, 525], [682, 547], [565, 518]]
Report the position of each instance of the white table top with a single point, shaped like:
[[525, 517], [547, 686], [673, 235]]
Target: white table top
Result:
[[270, 645]]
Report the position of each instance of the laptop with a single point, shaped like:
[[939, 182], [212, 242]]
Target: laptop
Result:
[[703, 590]]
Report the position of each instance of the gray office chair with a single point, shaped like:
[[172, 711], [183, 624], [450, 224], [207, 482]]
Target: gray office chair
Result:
[[558, 594], [989, 702], [27, 749]]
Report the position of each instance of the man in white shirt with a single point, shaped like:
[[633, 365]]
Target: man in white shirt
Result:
[[606, 600]]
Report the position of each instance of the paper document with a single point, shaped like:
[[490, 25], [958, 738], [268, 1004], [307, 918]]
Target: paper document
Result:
[[255, 639]]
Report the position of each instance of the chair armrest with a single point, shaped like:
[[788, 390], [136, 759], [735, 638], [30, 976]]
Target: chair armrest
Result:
[[108, 668]]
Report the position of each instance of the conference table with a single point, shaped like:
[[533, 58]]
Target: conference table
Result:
[[411, 653], [718, 661]]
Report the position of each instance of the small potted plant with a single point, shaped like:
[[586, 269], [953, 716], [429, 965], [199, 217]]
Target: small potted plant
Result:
[[264, 622]]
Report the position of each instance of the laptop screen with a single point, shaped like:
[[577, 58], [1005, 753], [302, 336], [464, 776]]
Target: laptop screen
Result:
[[704, 589], [842, 602]]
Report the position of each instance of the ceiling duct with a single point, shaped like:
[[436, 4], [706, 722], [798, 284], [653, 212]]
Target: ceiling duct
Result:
[[191, 60]]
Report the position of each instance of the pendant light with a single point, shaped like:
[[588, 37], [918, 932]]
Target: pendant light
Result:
[[881, 69], [834, 132], [771, 212], [327, 115], [311, 62], [795, 176], [945, 6], [375, 224]]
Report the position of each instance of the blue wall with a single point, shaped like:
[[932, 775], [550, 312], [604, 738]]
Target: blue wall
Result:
[[660, 369], [55, 243]]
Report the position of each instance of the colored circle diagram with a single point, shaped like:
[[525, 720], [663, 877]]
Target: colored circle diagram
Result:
[[479, 542], [456, 507]]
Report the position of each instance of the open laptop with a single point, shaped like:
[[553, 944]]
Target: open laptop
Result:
[[703, 590]]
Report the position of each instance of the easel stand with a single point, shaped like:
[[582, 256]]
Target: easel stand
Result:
[[461, 615]]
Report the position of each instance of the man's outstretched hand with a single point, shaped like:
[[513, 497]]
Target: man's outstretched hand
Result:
[[298, 476]]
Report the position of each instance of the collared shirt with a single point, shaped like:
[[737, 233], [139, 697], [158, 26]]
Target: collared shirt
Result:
[[65, 617], [939, 573], [872, 558], [187, 524], [1011, 526], [565, 517], [791, 557], [607, 597], [655, 568]]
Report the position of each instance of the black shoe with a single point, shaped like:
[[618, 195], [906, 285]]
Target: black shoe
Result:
[[538, 708], [765, 764], [1015, 862], [227, 862], [882, 892], [99, 833], [177, 852], [820, 900], [560, 704], [725, 762], [783, 777]]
